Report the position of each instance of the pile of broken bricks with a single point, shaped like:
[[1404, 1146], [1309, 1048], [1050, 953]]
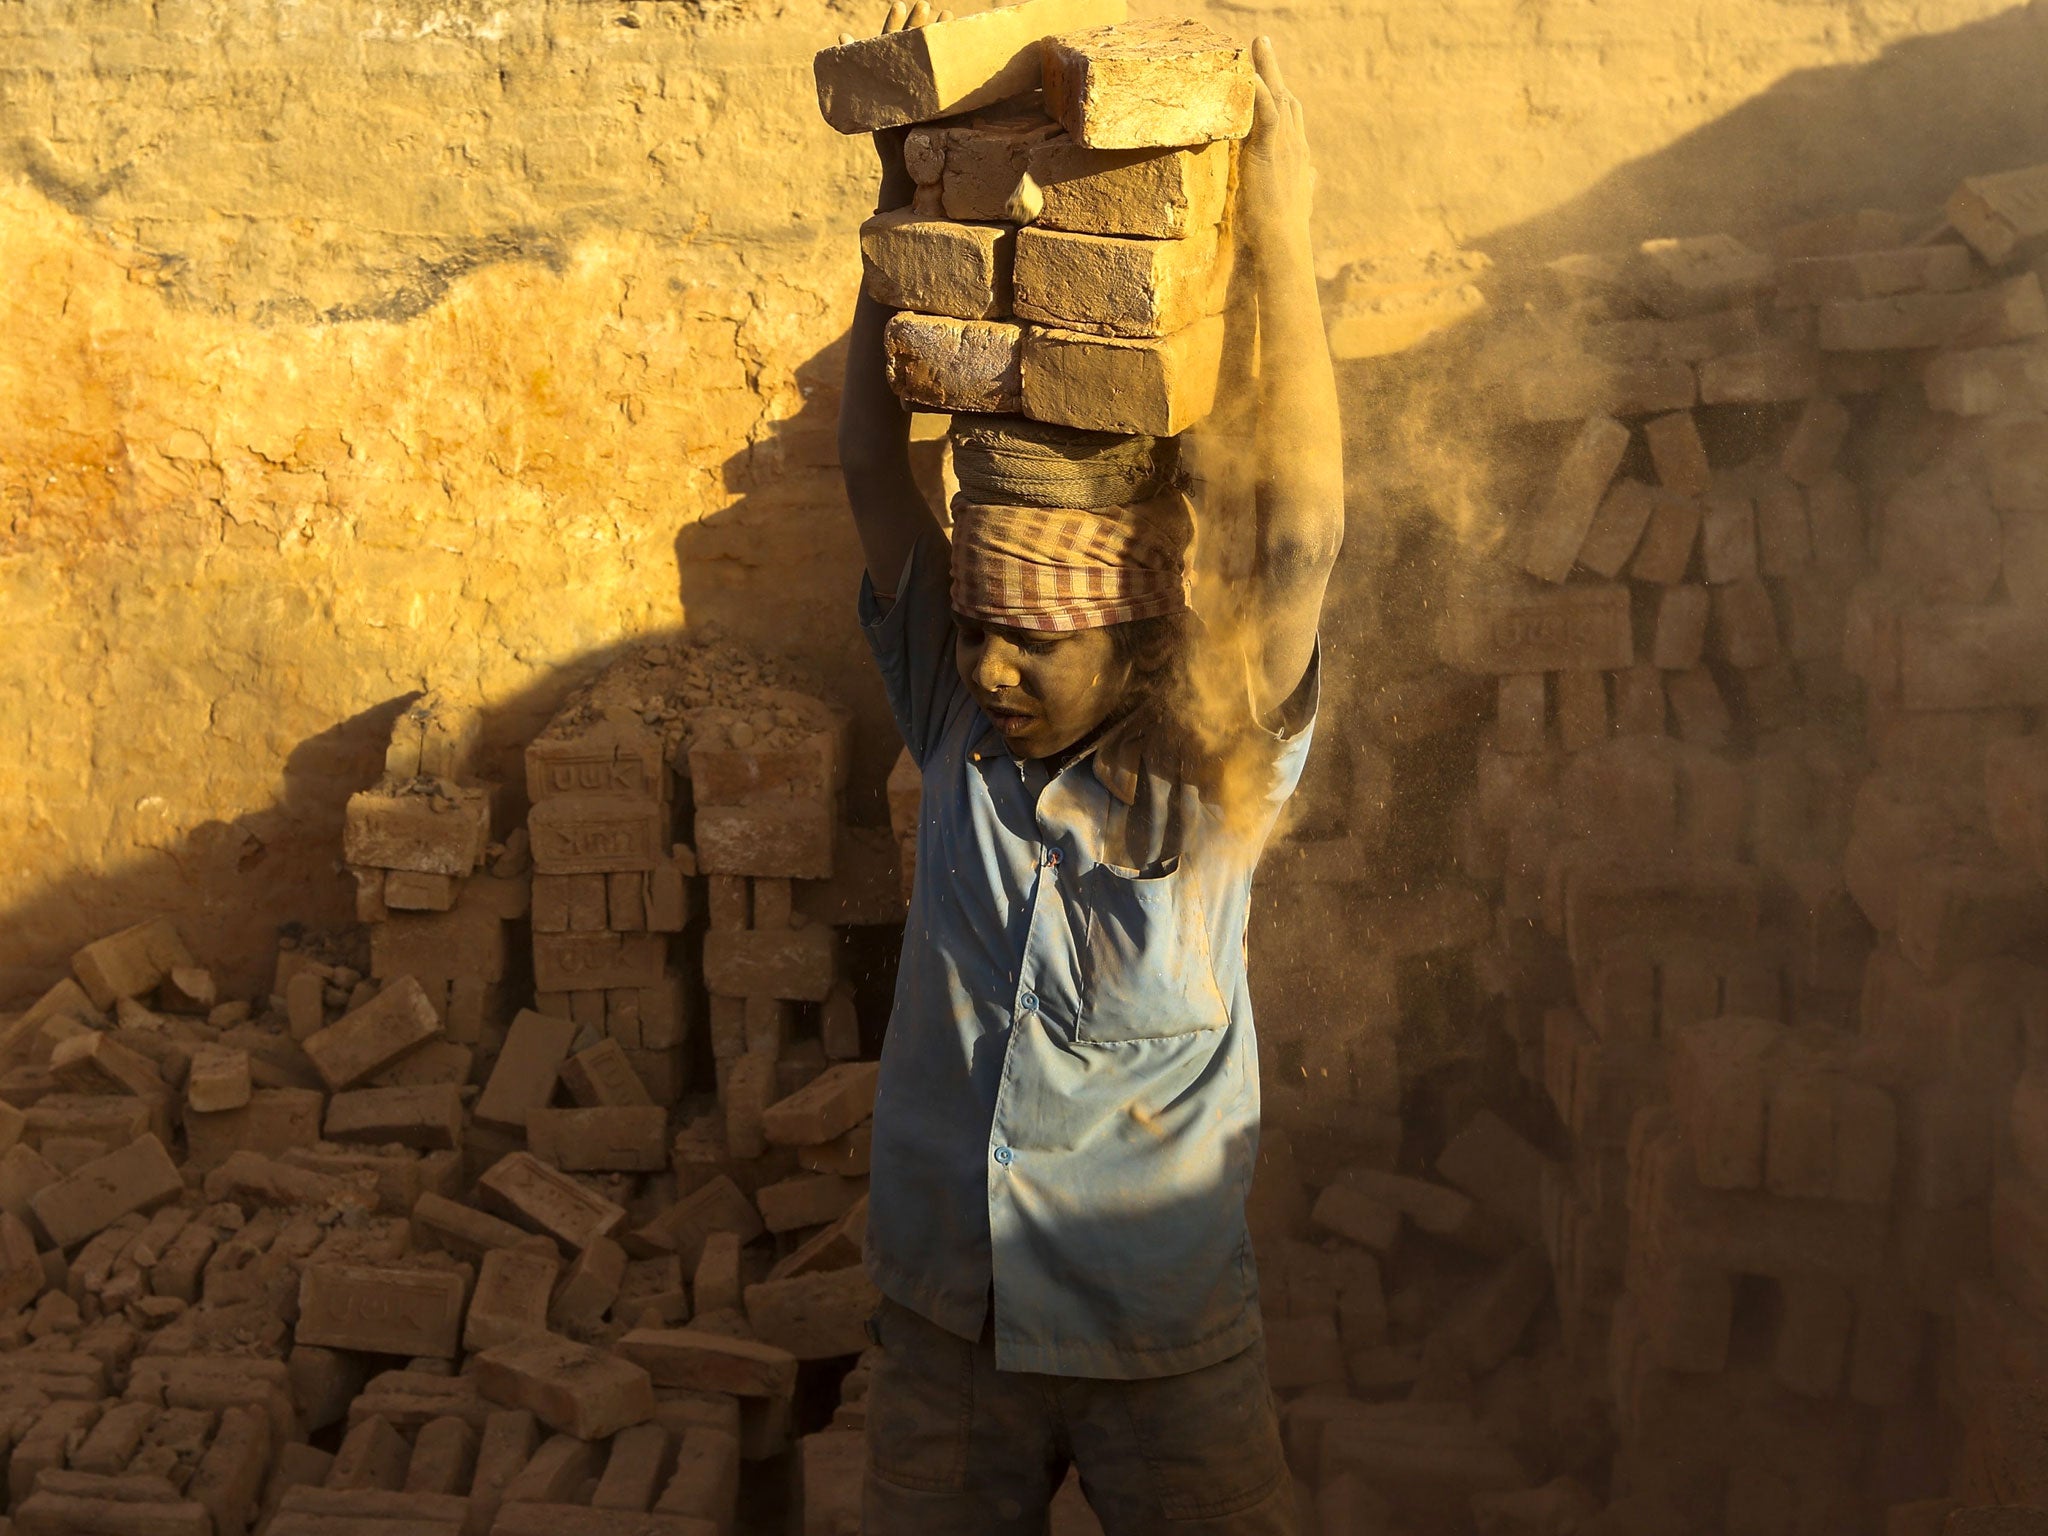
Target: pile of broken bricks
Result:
[[1067, 254], [363, 1258]]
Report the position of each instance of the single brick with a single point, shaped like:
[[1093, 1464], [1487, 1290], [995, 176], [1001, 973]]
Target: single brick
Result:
[[129, 963], [513, 1287], [598, 961], [978, 166], [1728, 535], [397, 1020], [570, 1387], [463, 1230], [716, 1283], [1527, 627], [633, 1472], [443, 1457], [845, 1154], [1561, 524], [1696, 274], [1159, 194], [1784, 546], [523, 1078], [1581, 709], [626, 901], [837, 1246], [619, 757], [829, 1106], [427, 1117], [383, 1309], [792, 839], [406, 890], [218, 1079], [504, 1448], [1997, 213], [1119, 286], [668, 891], [1357, 1217], [789, 963], [613, 1138], [1617, 527], [717, 1205], [1156, 386], [589, 1287], [1746, 629], [589, 898], [1154, 83], [2013, 311], [602, 1076], [706, 1483], [1816, 439], [1665, 553], [1718, 1086], [97, 1063], [1678, 454], [946, 68], [711, 1362], [955, 365], [138, 1177], [806, 1200], [938, 266], [1874, 274], [652, 1294], [529, 1191], [596, 834]]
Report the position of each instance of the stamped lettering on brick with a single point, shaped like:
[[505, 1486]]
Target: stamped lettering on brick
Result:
[[575, 835], [385, 1310], [572, 772]]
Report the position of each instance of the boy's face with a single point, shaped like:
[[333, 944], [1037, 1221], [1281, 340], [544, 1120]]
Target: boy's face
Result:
[[1044, 692]]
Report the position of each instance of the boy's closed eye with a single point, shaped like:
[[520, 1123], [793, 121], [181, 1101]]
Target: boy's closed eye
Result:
[[1031, 642]]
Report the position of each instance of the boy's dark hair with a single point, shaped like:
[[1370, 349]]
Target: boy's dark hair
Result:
[[1152, 643]]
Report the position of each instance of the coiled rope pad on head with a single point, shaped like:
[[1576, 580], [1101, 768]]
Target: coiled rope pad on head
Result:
[[1069, 568], [1009, 461]]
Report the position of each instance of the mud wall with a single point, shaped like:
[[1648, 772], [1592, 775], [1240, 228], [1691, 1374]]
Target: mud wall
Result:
[[348, 349]]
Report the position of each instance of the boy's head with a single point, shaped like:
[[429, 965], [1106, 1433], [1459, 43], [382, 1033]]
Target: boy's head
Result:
[[1070, 554]]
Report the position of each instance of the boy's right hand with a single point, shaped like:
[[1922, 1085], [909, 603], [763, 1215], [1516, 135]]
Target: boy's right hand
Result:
[[897, 188]]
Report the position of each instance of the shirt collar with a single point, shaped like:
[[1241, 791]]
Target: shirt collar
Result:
[[1114, 757]]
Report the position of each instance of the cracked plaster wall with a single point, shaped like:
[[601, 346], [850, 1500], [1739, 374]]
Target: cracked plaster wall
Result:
[[351, 347]]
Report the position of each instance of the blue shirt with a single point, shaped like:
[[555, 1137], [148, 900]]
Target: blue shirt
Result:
[[1069, 1098]]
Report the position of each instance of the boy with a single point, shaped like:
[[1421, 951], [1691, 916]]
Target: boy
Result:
[[1068, 1109]]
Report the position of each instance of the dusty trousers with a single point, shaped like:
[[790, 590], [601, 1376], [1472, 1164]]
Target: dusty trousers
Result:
[[958, 1448]]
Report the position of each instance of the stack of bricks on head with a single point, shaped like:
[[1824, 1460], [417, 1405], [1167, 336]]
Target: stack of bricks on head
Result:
[[388, 1255], [1067, 252]]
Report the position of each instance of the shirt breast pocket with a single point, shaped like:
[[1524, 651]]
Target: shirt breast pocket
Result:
[[1146, 971]]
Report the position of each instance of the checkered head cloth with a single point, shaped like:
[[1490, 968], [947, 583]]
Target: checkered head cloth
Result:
[[1058, 569]]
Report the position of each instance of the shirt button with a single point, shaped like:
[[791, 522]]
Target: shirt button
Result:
[[1029, 1001], [1003, 1156], [1052, 857]]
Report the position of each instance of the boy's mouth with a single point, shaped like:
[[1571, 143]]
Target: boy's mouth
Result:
[[1010, 722]]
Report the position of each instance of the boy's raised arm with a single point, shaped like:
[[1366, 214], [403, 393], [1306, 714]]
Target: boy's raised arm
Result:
[[874, 429], [1300, 438]]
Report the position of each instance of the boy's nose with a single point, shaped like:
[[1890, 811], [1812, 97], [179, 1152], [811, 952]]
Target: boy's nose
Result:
[[997, 668]]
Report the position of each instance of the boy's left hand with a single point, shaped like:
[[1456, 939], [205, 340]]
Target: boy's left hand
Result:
[[897, 187], [1278, 182]]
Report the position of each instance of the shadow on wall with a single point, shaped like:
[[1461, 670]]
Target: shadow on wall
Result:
[[741, 572], [786, 533], [1902, 129], [295, 842], [1921, 116]]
